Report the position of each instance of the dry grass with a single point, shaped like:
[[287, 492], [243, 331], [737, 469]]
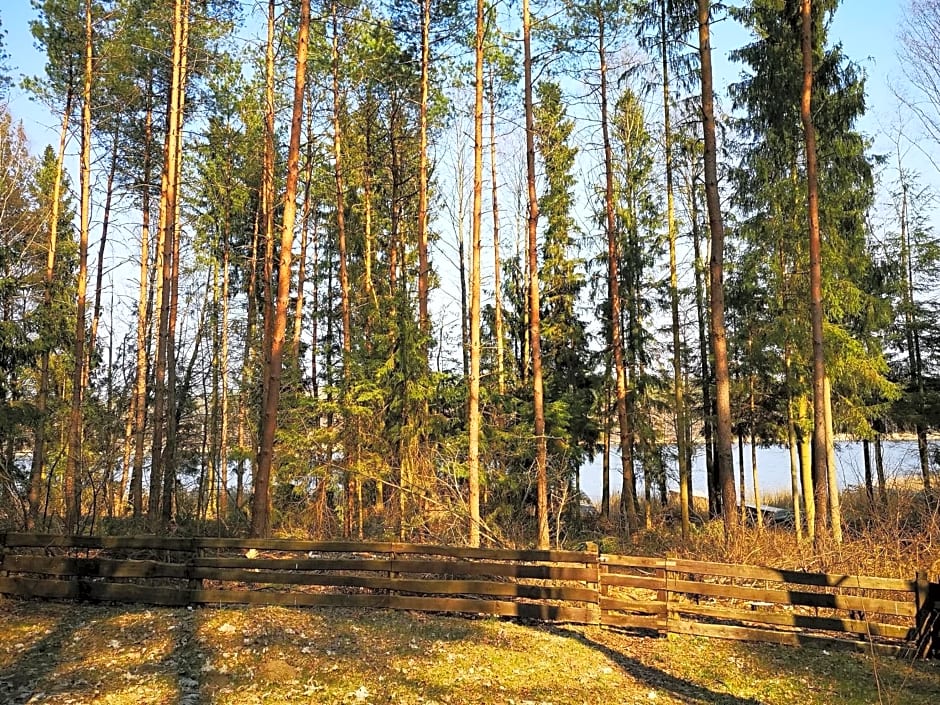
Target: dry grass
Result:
[[67, 654], [895, 536]]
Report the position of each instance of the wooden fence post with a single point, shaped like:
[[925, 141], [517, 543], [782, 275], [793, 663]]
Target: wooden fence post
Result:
[[926, 622], [600, 587]]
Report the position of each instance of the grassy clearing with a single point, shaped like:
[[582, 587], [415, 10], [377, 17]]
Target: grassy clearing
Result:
[[76, 654]]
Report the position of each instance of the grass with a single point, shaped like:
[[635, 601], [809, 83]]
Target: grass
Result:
[[72, 654]]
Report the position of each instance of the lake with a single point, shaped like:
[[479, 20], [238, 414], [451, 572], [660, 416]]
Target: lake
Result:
[[773, 468]]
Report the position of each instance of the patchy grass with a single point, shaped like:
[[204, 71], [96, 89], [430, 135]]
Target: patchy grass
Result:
[[71, 654]]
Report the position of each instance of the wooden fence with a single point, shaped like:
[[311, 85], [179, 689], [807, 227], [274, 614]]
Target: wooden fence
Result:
[[661, 595], [751, 603]]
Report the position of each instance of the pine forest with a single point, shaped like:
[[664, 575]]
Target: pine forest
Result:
[[404, 270]]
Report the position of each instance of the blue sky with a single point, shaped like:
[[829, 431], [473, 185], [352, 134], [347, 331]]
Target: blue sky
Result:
[[868, 30]]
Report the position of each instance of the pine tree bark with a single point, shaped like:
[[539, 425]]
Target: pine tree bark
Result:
[[222, 496], [685, 472], [793, 449], [102, 247], [174, 232], [535, 333], [716, 268], [144, 306], [835, 505], [820, 449], [42, 397], [260, 515], [473, 413], [267, 201], [627, 493], [714, 487], [341, 240], [72, 481], [423, 267], [497, 291], [165, 247]]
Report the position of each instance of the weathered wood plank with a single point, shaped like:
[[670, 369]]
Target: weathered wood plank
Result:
[[438, 587], [633, 621], [794, 597], [109, 568], [422, 604], [615, 561], [803, 621], [720, 631], [94, 590], [22, 540], [748, 572], [502, 554], [156, 543], [643, 606], [96, 567], [426, 567], [123, 592], [637, 581]]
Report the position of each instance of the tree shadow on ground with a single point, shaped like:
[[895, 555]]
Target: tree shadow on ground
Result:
[[34, 663], [652, 677]]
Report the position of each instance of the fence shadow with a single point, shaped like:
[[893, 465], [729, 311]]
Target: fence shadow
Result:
[[652, 677]]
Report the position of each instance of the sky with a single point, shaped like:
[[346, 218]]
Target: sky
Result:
[[868, 30]]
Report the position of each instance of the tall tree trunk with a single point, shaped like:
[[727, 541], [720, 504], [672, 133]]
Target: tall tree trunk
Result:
[[535, 335], [743, 486], [820, 450], [714, 487], [174, 233], [42, 397], [912, 335], [464, 313], [423, 268], [341, 236], [685, 471], [305, 235], [102, 246], [497, 291], [835, 506], [627, 493], [301, 272], [144, 307], [268, 200], [716, 269], [222, 496], [167, 238], [806, 469], [793, 449], [608, 428], [260, 516], [880, 462], [73, 488], [752, 426], [473, 413]]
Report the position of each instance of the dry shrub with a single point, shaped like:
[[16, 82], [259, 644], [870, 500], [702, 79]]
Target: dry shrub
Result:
[[892, 538]]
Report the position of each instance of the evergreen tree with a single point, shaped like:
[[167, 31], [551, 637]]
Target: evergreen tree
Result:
[[773, 266], [570, 385]]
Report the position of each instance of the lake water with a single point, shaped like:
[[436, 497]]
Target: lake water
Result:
[[773, 468]]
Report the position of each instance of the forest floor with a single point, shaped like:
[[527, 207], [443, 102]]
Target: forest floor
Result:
[[89, 654]]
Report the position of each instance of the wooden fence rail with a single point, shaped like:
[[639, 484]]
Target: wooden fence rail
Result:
[[662, 595]]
